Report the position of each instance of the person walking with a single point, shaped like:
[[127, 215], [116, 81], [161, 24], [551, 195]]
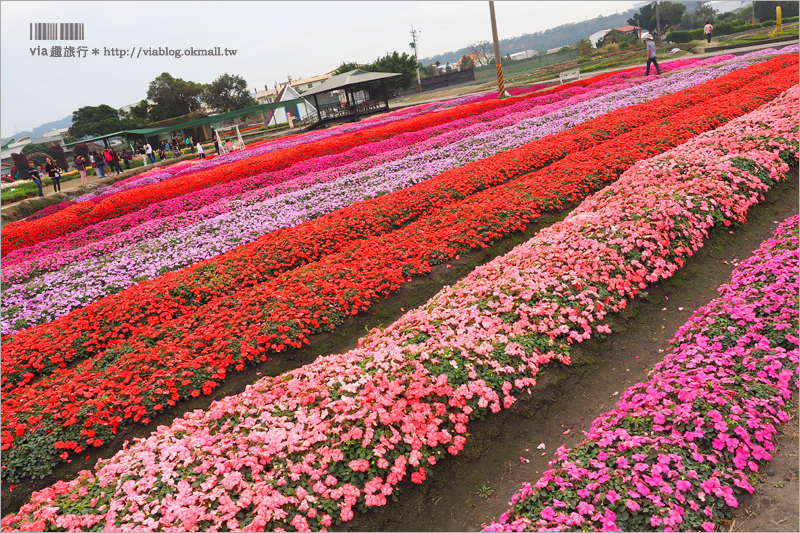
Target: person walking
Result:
[[35, 176], [100, 161], [80, 166], [189, 144], [149, 151], [126, 158], [55, 174], [144, 155], [708, 29], [651, 55], [200, 150]]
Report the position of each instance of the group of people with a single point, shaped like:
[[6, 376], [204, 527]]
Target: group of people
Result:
[[52, 170], [105, 158]]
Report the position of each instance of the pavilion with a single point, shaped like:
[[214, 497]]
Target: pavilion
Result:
[[350, 96]]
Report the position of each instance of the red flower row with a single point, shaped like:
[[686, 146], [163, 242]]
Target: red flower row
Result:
[[23, 234], [190, 355]]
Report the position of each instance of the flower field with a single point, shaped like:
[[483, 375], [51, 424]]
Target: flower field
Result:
[[675, 448], [132, 300]]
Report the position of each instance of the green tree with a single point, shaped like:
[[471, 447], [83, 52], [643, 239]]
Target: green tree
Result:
[[766, 10], [584, 48], [347, 66], [698, 17], [228, 93], [173, 97], [140, 111], [93, 121], [670, 16], [466, 63], [33, 148], [403, 64]]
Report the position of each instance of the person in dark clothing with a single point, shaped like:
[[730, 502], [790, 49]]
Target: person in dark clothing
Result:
[[100, 161], [115, 161], [35, 176], [126, 158], [55, 174]]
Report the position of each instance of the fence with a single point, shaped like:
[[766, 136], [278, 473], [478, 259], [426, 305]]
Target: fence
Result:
[[446, 80]]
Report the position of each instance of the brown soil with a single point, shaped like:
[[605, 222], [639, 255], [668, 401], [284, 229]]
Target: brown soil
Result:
[[471, 489]]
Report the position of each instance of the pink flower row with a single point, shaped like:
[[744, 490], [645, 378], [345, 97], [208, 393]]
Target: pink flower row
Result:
[[308, 448], [677, 449]]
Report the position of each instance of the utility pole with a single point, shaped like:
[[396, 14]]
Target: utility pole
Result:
[[501, 87], [658, 25], [414, 46], [753, 6]]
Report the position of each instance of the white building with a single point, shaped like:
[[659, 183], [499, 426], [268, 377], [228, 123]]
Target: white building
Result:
[[596, 36], [524, 55], [267, 96]]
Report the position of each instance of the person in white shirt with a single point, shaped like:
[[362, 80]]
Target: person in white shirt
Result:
[[200, 150], [708, 29], [149, 151]]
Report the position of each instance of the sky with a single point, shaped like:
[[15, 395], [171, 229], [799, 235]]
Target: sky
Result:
[[272, 41]]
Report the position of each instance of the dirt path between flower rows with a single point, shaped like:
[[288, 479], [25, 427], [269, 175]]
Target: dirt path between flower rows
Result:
[[564, 398], [473, 488]]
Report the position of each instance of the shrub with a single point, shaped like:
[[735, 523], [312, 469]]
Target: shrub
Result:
[[57, 153], [21, 163], [624, 45], [81, 149], [39, 158], [723, 28]]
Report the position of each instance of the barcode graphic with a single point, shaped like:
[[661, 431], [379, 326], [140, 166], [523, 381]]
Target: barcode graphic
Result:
[[53, 31]]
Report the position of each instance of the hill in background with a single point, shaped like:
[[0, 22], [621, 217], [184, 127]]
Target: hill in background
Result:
[[38, 131]]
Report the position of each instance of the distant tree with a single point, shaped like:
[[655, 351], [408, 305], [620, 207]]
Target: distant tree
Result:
[[140, 111], [766, 10], [228, 93], [584, 48], [173, 97], [670, 15], [57, 153], [428, 71], [466, 63], [448, 69], [698, 17], [483, 49], [33, 148], [403, 64], [564, 49], [93, 121], [347, 66]]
